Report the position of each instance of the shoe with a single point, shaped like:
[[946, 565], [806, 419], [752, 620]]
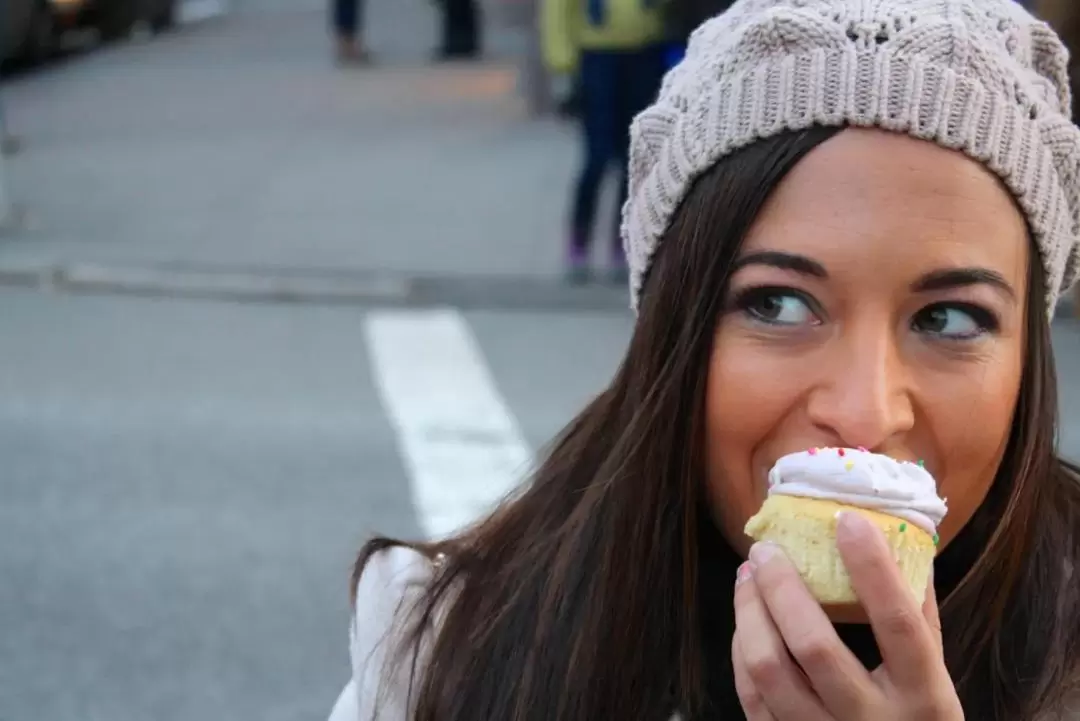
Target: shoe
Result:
[[350, 54]]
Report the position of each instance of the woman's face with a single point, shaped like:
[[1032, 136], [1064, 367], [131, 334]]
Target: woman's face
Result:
[[878, 301]]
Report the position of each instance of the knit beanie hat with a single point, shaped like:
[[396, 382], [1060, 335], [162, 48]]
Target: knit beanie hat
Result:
[[979, 76]]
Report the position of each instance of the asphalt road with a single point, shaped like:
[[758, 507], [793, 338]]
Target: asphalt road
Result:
[[185, 484]]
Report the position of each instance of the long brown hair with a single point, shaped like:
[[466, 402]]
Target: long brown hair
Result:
[[599, 591]]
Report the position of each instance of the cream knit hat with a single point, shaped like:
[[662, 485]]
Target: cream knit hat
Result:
[[980, 76]]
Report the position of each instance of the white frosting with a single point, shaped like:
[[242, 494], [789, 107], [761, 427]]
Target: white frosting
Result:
[[859, 478]]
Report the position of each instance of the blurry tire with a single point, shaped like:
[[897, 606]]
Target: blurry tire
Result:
[[164, 17], [39, 43], [116, 19]]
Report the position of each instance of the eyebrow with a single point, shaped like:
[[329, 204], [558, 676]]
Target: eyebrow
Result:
[[784, 261], [945, 279], [963, 277]]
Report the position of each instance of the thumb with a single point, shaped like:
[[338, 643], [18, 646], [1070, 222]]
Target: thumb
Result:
[[932, 614]]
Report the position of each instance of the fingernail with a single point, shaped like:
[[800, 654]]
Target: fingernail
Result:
[[744, 573], [760, 553], [851, 524]]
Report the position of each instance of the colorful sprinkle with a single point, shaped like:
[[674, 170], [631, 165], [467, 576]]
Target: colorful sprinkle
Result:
[[936, 539], [840, 451], [849, 465], [922, 463], [862, 449], [812, 451], [903, 527]]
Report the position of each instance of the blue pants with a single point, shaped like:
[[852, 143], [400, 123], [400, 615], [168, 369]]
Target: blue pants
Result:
[[461, 27], [347, 17], [615, 86]]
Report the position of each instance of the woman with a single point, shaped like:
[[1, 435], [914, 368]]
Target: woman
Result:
[[848, 225]]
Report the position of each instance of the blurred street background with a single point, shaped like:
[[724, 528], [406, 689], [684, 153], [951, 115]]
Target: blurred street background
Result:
[[255, 307]]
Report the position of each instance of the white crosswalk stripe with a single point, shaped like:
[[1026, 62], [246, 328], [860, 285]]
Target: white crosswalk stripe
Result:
[[460, 442]]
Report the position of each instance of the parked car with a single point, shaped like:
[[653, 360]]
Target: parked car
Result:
[[32, 28]]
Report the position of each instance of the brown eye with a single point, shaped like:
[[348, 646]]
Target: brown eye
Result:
[[776, 306], [954, 322]]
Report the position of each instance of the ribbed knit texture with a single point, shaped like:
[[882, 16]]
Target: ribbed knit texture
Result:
[[979, 76]]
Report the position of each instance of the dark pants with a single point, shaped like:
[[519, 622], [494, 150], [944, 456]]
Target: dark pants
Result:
[[615, 87], [347, 17], [461, 27]]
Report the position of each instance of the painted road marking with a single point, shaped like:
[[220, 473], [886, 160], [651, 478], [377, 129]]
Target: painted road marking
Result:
[[462, 446]]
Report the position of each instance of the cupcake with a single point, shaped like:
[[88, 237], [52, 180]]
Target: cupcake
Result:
[[807, 489]]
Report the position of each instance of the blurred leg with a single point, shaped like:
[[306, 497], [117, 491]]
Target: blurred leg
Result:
[[598, 122], [347, 18], [638, 80], [461, 29]]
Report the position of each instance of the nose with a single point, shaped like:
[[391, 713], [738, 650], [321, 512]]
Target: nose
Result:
[[863, 396]]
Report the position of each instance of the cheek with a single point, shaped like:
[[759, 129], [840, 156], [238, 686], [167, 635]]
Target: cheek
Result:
[[746, 403], [971, 423]]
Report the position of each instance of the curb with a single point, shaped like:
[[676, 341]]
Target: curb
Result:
[[211, 284], [315, 287]]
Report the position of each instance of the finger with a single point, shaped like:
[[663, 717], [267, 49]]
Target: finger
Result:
[[932, 614], [772, 671], [836, 675], [903, 635], [753, 705]]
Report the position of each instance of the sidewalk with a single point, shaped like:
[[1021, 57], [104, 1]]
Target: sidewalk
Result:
[[238, 146]]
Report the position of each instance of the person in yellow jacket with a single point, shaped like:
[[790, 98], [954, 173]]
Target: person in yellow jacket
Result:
[[616, 50]]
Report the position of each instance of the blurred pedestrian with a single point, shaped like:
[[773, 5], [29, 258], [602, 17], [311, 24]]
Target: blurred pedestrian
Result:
[[347, 20], [460, 30], [616, 48]]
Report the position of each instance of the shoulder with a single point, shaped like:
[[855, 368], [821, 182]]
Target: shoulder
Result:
[[387, 593], [390, 578]]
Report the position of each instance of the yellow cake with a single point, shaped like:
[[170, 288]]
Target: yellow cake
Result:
[[807, 490]]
